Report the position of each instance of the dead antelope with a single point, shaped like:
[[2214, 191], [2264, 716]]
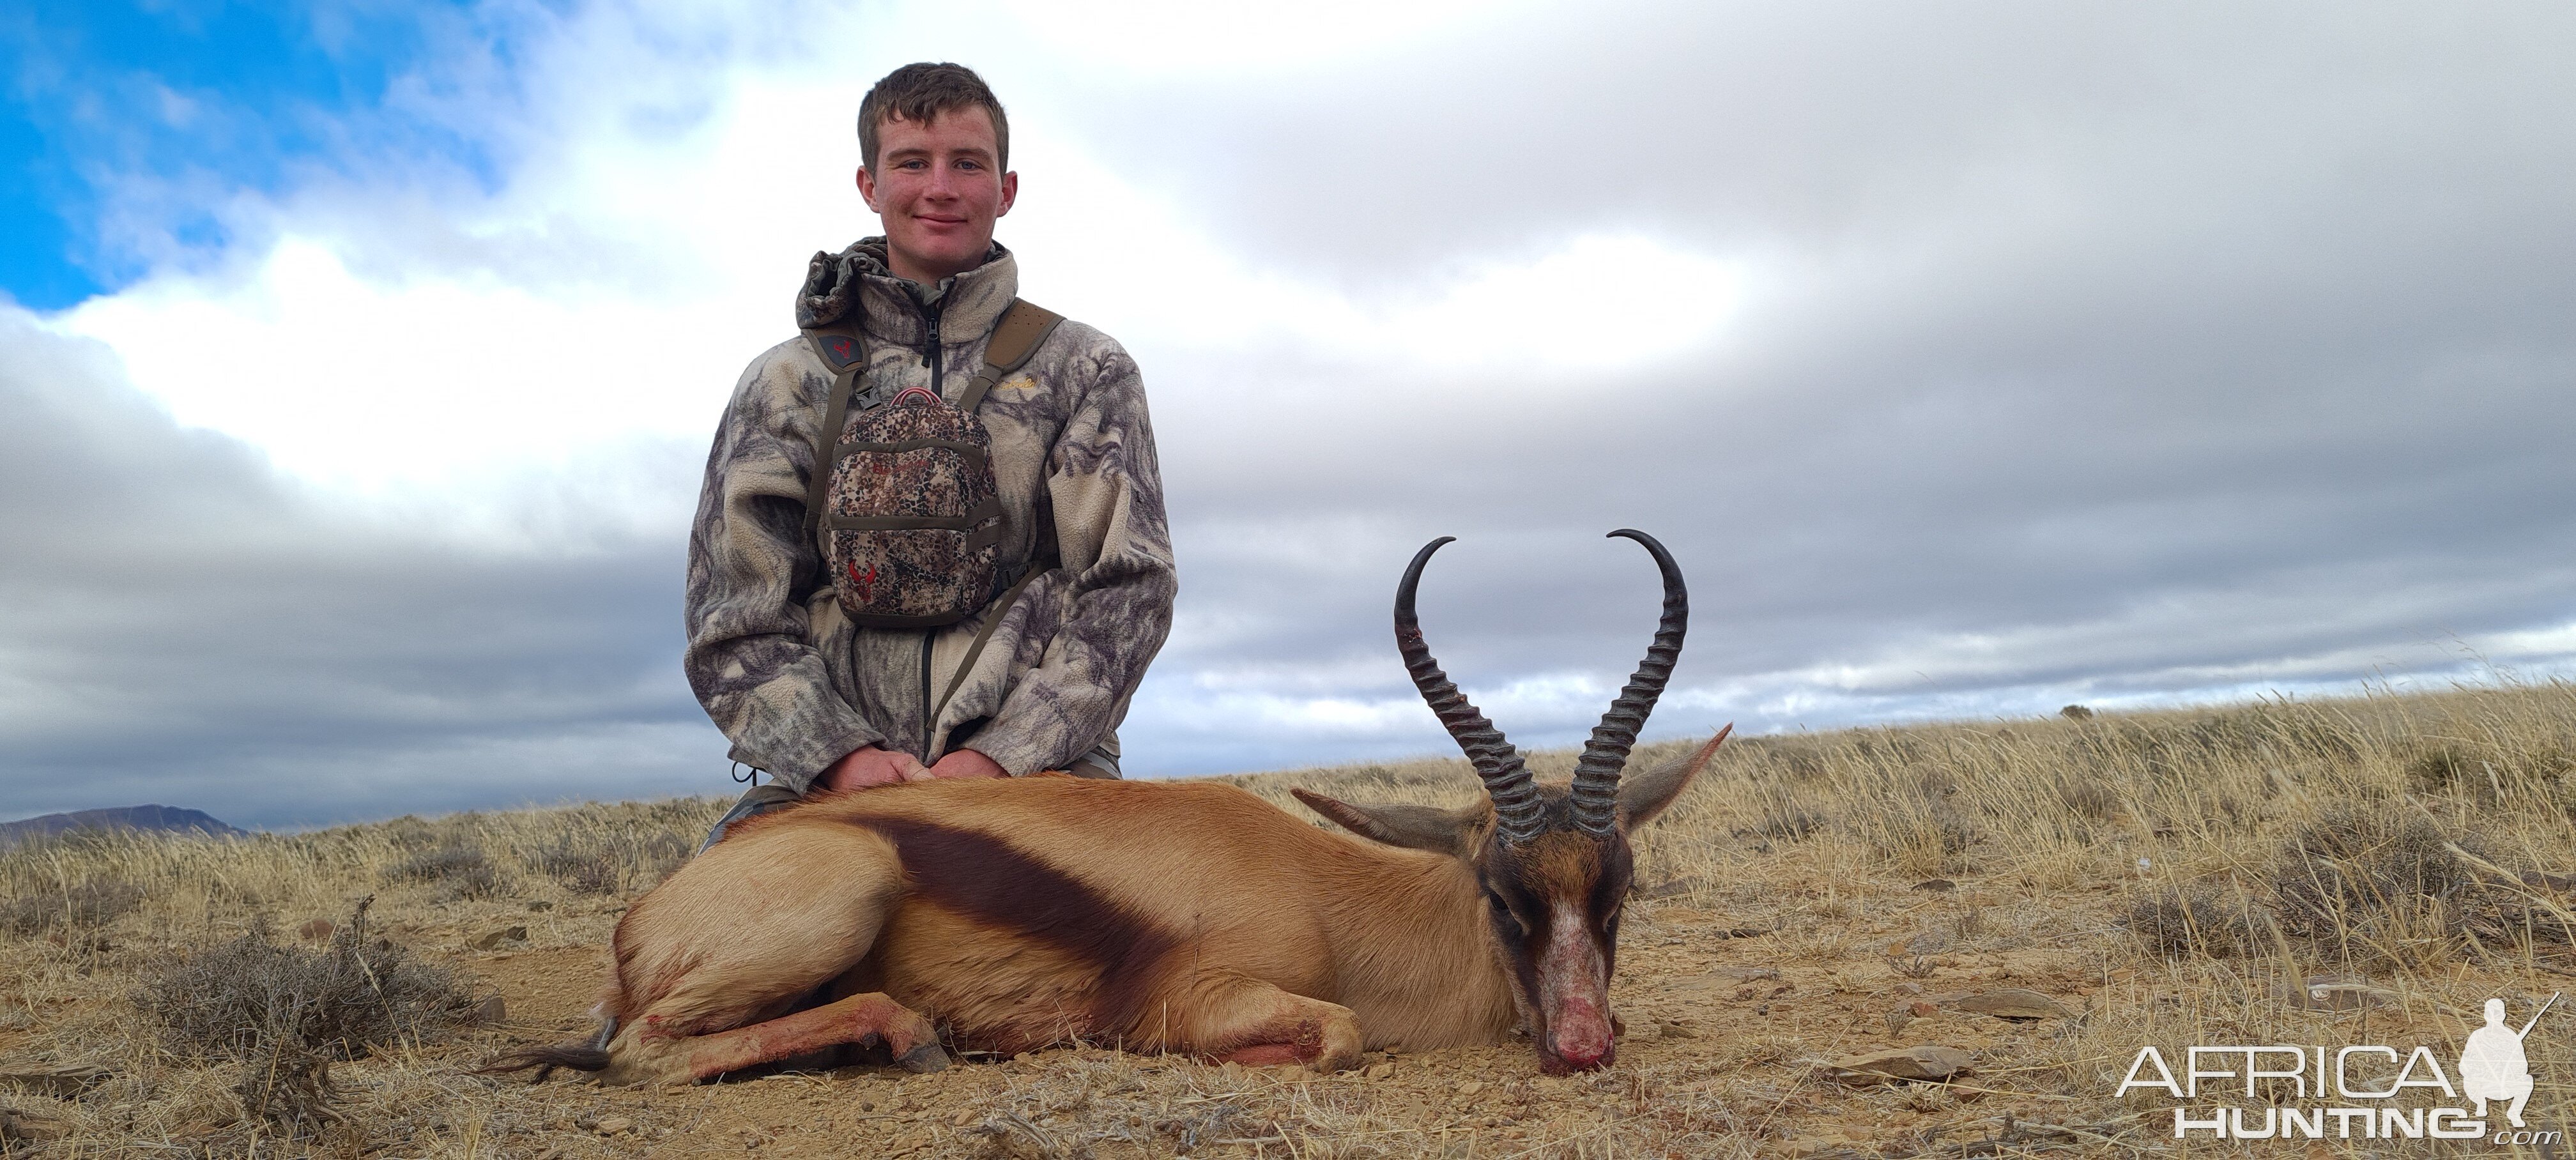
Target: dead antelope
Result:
[[1013, 914]]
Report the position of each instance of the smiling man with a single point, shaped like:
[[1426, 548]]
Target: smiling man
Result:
[[1076, 595]]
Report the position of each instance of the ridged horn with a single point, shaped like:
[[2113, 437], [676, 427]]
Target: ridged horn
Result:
[[1517, 809], [1596, 775]]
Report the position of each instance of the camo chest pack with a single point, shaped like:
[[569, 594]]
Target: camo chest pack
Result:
[[904, 505]]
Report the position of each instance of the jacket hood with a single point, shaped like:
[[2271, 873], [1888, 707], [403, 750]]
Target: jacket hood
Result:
[[838, 286]]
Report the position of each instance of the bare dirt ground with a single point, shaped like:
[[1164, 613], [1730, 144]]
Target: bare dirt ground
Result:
[[2363, 872]]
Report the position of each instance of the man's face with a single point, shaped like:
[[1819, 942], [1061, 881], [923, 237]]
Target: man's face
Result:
[[938, 187]]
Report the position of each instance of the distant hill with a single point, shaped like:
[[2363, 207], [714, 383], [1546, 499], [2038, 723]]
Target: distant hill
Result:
[[158, 819]]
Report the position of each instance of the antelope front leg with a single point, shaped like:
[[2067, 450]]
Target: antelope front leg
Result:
[[1256, 1024]]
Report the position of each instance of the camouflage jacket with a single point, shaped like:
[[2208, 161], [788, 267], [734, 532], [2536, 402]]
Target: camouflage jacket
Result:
[[792, 682]]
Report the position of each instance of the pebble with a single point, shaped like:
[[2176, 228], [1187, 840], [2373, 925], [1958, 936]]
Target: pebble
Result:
[[494, 940], [611, 1125], [1922, 1010]]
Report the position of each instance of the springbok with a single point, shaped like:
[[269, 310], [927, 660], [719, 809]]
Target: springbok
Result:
[[1009, 915]]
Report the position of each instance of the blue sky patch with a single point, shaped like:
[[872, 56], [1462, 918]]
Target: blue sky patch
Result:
[[125, 126]]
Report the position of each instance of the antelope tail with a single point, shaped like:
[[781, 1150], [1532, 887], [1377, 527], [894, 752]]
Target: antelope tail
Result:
[[578, 1055]]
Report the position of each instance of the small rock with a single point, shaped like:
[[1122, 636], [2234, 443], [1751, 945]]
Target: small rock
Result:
[[612, 1125], [491, 1009], [1921, 1010], [2013, 1003], [496, 939], [316, 930], [1382, 1071], [2326, 993], [540, 906], [1743, 994], [1923, 1062], [1907, 988]]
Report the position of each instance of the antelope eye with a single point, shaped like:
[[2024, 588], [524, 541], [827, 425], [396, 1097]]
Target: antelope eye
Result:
[[1504, 909]]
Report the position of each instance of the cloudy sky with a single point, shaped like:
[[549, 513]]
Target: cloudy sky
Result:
[[358, 359]]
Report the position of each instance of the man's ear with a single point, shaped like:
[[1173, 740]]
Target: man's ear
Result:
[[1412, 827], [868, 189], [1643, 796]]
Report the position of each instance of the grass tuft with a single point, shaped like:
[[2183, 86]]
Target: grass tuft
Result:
[[283, 1013], [91, 902]]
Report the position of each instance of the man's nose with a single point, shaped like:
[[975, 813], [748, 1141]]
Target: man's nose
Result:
[[943, 182]]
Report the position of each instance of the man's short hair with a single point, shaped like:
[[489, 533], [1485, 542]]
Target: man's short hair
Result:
[[920, 92]]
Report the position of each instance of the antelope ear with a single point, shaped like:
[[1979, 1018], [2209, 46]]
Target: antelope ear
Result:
[[1643, 796], [1412, 827]]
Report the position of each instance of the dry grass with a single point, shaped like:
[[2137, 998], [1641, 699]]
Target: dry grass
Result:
[[2173, 878]]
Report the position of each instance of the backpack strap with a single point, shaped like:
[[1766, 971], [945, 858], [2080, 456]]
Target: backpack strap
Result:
[[845, 352], [1022, 330]]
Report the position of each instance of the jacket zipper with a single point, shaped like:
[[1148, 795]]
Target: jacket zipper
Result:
[[930, 356]]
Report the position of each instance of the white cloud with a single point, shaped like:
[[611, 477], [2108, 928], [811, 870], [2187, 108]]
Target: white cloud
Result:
[[1970, 366], [616, 283]]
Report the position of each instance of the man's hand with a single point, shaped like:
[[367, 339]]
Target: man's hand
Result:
[[871, 766], [964, 763]]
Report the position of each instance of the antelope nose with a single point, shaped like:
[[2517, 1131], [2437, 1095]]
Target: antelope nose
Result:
[[1580, 1036]]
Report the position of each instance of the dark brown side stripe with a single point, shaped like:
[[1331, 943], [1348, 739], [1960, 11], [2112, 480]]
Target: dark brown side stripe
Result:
[[990, 881]]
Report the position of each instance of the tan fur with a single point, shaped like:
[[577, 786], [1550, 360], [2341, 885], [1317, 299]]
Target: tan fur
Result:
[[1157, 916], [1288, 935]]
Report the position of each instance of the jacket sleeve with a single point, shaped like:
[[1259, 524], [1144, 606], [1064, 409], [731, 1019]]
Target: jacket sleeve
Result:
[[750, 656], [1115, 605]]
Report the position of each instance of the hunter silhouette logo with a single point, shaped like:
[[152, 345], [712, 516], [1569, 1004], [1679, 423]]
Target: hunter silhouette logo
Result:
[[2492, 1063]]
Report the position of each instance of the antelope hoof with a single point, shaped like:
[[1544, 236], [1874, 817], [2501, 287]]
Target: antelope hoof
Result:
[[922, 1060]]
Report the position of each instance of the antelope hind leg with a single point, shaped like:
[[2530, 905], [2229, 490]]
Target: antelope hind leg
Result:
[[1256, 1024], [712, 961], [864, 1020]]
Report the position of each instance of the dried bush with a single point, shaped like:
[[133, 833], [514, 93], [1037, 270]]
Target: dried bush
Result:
[[92, 902], [1783, 818], [605, 864], [2088, 797], [284, 1013], [2178, 922], [580, 871], [2384, 885], [2438, 769], [461, 870]]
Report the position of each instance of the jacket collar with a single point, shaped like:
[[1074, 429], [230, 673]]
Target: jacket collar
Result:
[[855, 285]]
